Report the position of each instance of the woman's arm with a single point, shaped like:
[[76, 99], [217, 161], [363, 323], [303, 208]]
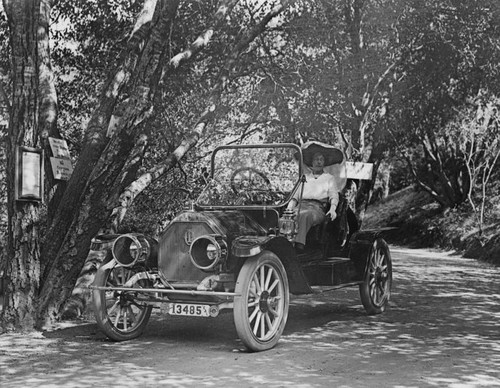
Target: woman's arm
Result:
[[333, 196]]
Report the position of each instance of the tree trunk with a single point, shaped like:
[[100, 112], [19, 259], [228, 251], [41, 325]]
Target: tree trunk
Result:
[[47, 117], [23, 250], [99, 175], [108, 176]]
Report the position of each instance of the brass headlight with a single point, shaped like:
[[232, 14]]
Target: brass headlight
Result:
[[129, 249], [208, 251]]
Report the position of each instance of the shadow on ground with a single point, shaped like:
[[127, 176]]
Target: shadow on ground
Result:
[[441, 330]]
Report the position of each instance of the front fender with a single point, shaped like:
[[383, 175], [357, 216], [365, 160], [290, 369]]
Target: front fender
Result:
[[249, 246], [360, 246]]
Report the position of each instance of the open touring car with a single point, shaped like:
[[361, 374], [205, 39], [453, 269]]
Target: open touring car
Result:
[[233, 249]]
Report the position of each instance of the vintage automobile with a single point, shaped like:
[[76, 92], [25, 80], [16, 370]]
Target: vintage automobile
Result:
[[233, 249]]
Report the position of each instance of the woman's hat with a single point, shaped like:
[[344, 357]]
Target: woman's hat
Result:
[[331, 154]]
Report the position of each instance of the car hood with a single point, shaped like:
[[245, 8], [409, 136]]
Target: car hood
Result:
[[176, 240], [232, 223]]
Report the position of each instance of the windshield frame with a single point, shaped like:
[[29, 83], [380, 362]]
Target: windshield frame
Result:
[[297, 151]]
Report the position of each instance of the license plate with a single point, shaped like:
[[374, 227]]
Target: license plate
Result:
[[191, 310]]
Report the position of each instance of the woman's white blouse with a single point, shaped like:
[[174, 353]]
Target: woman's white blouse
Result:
[[321, 188]]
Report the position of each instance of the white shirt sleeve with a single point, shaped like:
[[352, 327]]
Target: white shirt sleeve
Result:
[[333, 193]]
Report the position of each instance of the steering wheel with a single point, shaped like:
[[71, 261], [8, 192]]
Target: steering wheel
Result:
[[249, 178]]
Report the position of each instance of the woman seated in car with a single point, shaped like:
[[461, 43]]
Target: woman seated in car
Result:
[[320, 189]]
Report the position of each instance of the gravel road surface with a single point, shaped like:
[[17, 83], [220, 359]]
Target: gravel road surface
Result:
[[442, 330]]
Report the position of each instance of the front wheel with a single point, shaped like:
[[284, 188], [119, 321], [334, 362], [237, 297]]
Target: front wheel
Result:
[[261, 309], [118, 313], [375, 291]]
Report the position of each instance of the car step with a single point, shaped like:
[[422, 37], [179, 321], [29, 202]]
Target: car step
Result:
[[323, 289], [328, 262], [335, 260]]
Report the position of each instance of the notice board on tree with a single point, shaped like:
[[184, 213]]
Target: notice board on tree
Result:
[[29, 174], [60, 161], [359, 170]]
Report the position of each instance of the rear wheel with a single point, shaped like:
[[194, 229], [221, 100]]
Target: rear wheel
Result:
[[118, 313], [375, 291], [261, 310]]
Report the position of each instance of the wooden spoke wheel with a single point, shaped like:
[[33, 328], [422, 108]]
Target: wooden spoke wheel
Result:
[[375, 291], [118, 313], [260, 313]]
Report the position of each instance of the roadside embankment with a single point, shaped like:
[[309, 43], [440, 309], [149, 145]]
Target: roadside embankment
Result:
[[419, 222]]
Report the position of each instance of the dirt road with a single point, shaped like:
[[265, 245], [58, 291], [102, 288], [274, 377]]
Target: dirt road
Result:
[[442, 330]]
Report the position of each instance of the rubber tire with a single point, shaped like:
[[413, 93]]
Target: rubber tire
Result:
[[375, 291], [104, 321], [263, 262]]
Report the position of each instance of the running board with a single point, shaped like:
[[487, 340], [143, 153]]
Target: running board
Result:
[[327, 262], [323, 289], [337, 260]]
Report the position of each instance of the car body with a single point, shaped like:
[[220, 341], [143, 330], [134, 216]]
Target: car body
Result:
[[233, 249]]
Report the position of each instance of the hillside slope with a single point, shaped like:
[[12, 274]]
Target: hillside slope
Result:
[[420, 223]]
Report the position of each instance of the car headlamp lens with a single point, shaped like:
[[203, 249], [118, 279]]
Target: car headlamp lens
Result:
[[208, 251], [212, 252]]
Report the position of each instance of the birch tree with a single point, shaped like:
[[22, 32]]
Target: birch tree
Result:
[[114, 143]]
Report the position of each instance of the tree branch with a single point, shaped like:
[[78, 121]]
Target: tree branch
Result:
[[203, 39], [191, 139]]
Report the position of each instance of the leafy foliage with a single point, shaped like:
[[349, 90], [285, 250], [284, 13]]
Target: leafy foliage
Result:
[[448, 55], [477, 129], [87, 37], [363, 72], [312, 75]]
